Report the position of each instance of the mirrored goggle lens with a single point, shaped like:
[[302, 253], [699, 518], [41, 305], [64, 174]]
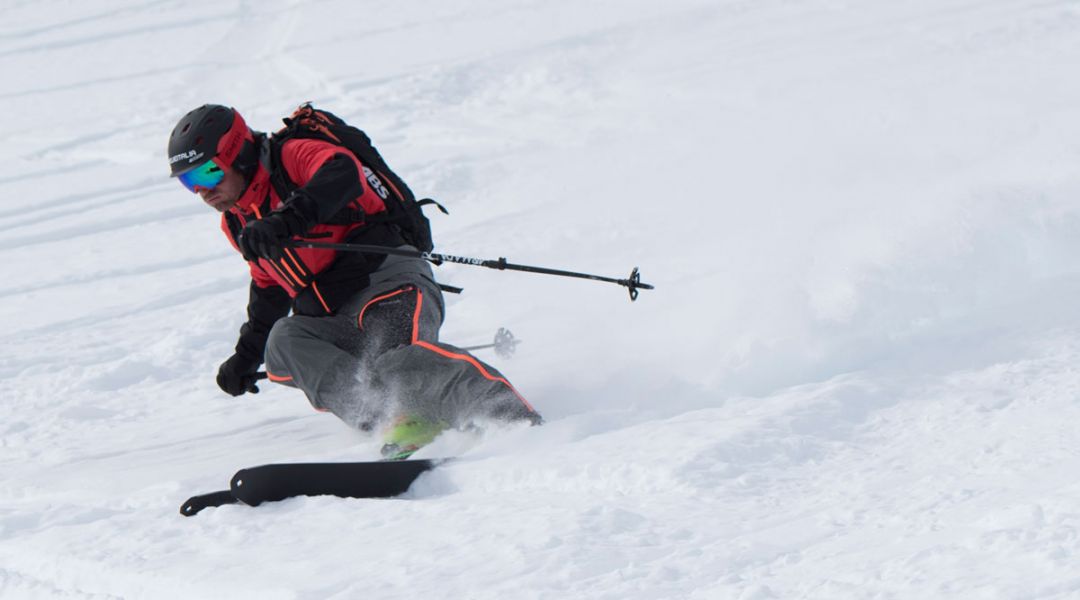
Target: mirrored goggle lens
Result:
[[206, 175]]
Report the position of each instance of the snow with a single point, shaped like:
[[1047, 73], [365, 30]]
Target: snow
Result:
[[857, 376]]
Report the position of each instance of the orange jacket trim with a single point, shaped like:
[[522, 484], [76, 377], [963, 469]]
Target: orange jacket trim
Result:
[[282, 274], [300, 267], [315, 288], [299, 282]]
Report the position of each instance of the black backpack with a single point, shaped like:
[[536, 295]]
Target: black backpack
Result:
[[403, 210]]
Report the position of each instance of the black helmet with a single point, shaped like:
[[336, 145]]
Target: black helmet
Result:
[[212, 130]]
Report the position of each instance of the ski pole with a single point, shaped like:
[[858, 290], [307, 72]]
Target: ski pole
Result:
[[632, 283], [505, 343]]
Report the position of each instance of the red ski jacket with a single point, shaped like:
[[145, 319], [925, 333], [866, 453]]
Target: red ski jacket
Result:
[[334, 194]]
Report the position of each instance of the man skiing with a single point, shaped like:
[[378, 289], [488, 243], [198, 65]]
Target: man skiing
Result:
[[362, 340]]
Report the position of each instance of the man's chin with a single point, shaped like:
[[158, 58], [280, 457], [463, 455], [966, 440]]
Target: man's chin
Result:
[[220, 205]]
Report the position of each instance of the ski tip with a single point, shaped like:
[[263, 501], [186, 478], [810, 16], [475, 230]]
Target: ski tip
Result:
[[190, 510], [196, 504]]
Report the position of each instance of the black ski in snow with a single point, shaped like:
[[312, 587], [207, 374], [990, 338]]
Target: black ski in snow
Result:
[[269, 483]]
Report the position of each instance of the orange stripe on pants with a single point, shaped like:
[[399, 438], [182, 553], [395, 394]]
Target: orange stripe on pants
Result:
[[479, 367], [360, 317], [416, 316], [277, 378]]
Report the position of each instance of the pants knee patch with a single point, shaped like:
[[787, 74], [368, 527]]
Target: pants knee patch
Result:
[[390, 321]]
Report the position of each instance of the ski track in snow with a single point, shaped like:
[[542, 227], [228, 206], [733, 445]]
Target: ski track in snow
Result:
[[857, 377]]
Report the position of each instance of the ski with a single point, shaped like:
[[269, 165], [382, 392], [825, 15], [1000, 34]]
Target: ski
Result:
[[197, 503], [270, 483]]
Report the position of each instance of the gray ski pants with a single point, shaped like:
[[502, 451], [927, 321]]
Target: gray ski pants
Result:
[[379, 357]]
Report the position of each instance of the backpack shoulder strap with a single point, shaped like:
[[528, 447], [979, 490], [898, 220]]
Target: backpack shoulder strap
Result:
[[234, 225], [279, 176]]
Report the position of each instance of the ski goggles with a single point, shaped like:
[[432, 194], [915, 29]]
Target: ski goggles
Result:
[[206, 176]]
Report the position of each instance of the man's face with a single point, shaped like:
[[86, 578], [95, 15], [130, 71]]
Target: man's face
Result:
[[226, 194]]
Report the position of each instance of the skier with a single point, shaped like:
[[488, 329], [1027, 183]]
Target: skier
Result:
[[362, 340]]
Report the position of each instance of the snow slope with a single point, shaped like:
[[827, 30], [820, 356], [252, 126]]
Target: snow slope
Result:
[[857, 377]]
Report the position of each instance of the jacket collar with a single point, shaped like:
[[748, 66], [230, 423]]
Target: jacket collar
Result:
[[255, 193]]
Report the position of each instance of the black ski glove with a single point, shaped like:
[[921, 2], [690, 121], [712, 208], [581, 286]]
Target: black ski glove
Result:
[[268, 236], [236, 376]]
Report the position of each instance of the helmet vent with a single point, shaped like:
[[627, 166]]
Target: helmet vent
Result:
[[205, 132]]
